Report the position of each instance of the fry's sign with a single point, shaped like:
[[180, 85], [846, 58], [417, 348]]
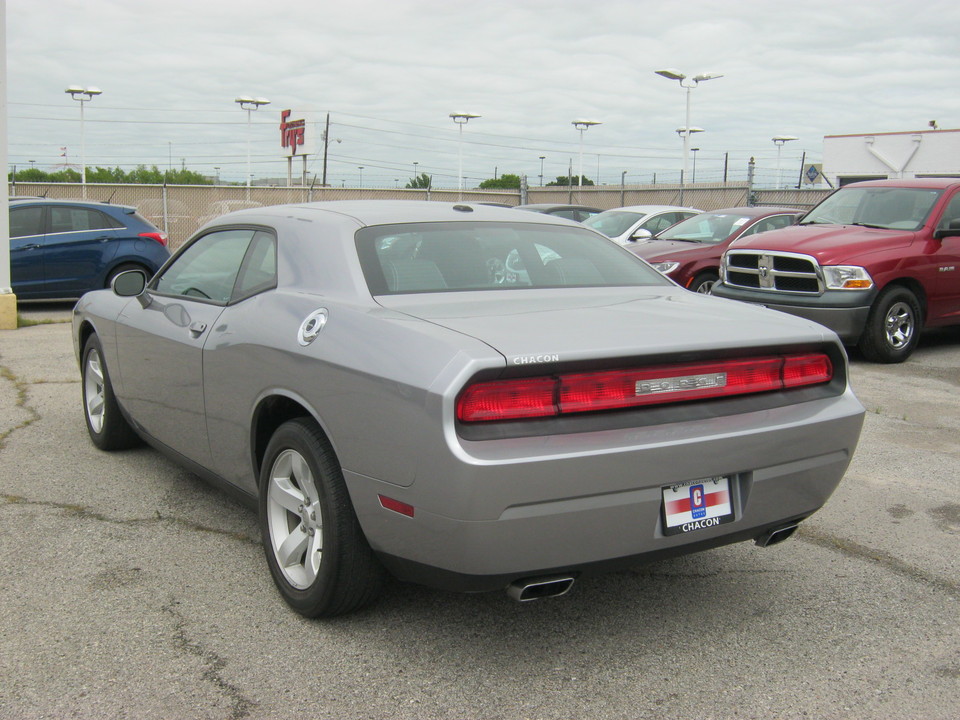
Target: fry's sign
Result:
[[292, 134]]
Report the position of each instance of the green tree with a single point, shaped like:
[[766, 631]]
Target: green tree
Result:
[[504, 182], [572, 180], [421, 181], [141, 175]]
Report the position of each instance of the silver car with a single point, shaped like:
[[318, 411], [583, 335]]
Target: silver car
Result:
[[395, 401]]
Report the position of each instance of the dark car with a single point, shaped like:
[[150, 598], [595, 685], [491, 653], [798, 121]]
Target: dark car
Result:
[[570, 212], [63, 248], [689, 252]]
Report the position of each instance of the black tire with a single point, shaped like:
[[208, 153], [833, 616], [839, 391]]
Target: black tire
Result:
[[317, 553], [704, 282], [106, 425], [123, 268], [893, 326]]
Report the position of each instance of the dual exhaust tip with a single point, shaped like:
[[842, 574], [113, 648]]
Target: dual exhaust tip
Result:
[[530, 589], [776, 535]]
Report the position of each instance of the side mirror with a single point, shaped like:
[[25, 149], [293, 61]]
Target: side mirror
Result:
[[130, 283], [951, 230], [641, 235]]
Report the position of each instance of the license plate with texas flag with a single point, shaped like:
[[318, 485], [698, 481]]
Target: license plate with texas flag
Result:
[[696, 505]]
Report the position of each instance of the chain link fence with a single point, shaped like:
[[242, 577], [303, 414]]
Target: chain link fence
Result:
[[179, 210]]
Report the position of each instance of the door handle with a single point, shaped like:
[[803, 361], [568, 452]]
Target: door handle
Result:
[[197, 328]]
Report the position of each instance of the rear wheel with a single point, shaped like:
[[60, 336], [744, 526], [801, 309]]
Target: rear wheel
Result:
[[893, 326], [107, 427], [316, 551]]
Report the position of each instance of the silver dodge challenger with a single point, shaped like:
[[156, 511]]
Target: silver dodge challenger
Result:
[[462, 397]]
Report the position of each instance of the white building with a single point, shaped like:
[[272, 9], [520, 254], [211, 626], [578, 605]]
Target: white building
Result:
[[924, 153]]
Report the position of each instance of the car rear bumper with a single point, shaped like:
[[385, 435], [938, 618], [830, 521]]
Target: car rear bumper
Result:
[[480, 524]]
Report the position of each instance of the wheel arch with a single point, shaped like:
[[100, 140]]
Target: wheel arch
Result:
[[84, 331], [914, 286], [271, 412]]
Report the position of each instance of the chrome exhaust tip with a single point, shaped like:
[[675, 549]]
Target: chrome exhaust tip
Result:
[[776, 535], [530, 589]]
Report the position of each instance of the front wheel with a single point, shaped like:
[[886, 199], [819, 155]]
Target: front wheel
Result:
[[704, 282], [107, 427], [893, 327], [315, 548]]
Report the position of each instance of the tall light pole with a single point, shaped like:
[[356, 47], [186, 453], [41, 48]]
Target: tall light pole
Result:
[[542, 158], [672, 74], [415, 164], [360, 168], [582, 125], [780, 141], [83, 95], [250, 104], [693, 178], [461, 119]]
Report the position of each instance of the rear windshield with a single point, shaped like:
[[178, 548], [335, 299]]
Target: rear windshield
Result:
[[450, 257]]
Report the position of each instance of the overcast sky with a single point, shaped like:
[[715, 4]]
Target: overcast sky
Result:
[[390, 72]]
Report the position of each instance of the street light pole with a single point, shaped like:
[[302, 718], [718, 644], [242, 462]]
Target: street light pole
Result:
[[250, 104], [542, 158], [582, 125], [461, 119], [672, 74], [780, 141], [693, 177], [83, 96]]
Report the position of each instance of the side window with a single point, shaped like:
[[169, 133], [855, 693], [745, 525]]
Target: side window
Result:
[[659, 223], [26, 221], [259, 269], [950, 214], [208, 268], [771, 223], [70, 219]]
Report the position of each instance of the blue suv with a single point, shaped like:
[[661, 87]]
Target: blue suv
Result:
[[63, 248]]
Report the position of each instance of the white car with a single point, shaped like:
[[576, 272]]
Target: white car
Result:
[[621, 224]]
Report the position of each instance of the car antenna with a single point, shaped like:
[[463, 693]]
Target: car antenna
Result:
[[107, 201]]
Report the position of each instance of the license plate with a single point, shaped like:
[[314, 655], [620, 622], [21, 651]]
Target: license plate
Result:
[[696, 505]]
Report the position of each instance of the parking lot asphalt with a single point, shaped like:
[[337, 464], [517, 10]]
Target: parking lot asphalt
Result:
[[133, 589]]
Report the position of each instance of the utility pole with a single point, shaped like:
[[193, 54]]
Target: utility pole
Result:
[[326, 144]]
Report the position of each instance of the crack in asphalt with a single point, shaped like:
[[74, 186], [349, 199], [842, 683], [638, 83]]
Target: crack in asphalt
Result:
[[883, 559], [157, 519], [21, 402], [241, 705]]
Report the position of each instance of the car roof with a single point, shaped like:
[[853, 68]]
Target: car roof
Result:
[[928, 183], [648, 209], [72, 202], [756, 211], [555, 206], [387, 212]]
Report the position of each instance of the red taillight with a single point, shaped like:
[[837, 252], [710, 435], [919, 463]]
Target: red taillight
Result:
[[508, 400], [160, 237], [655, 385], [806, 370]]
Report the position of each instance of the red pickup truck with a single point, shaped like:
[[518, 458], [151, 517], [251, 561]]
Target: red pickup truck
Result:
[[874, 261]]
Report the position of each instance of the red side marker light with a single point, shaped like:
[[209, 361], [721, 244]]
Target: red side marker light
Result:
[[395, 505]]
